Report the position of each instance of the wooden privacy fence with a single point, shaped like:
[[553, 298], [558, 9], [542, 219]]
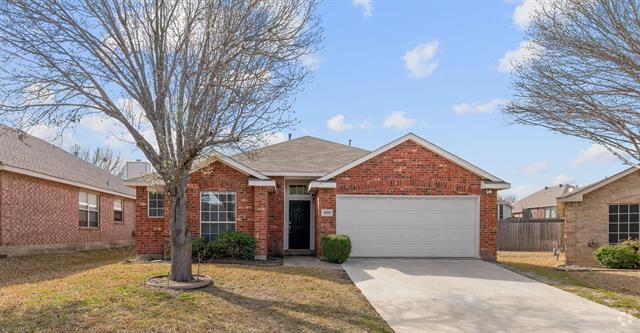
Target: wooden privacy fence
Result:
[[530, 235]]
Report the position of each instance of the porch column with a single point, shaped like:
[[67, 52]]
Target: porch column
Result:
[[260, 221]]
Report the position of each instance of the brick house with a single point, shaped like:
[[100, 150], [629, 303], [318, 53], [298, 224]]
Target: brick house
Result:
[[541, 204], [51, 200], [604, 212], [408, 198]]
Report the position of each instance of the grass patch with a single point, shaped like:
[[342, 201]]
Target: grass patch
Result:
[[617, 289], [96, 291]]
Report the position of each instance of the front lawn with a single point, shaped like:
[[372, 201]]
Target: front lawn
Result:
[[617, 289], [97, 291]]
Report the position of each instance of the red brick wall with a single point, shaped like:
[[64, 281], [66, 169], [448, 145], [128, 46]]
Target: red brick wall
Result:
[[276, 217], [410, 169], [153, 233], [41, 212], [325, 199]]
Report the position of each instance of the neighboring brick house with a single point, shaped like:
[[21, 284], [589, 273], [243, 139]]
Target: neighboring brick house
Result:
[[51, 200], [408, 198], [602, 213], [541, 204]]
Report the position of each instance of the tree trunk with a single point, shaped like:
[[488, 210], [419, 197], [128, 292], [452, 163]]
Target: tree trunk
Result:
[[180, 240]]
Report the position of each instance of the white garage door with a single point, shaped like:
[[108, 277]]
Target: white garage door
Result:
[[409, 226]]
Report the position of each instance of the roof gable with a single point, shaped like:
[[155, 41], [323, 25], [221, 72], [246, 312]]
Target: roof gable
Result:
[[425, 144], [577, 195], [304, 156], [26, 154]]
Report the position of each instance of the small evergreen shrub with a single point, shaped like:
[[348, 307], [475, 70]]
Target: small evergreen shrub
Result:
[[623, 255], [336, 248], [233, 244]]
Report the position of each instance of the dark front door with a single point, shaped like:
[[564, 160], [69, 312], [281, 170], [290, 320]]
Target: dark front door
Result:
[[299, 224]]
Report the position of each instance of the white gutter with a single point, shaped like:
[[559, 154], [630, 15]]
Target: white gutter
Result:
[[489, 185], [320, 184]]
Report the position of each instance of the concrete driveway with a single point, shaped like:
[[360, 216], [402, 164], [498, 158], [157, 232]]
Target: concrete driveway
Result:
[[422, 295]]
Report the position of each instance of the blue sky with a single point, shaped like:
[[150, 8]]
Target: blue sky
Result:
[[396, 66]]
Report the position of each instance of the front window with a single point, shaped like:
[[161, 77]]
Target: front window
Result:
[[217, 213], [550, 213], [88, 210], [117, 211], [624, 221], [156, 204]]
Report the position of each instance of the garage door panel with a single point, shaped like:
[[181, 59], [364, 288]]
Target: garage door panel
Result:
[[409, 226]]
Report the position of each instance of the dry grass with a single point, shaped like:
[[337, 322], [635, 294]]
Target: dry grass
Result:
[[618, 289], [96, 291]]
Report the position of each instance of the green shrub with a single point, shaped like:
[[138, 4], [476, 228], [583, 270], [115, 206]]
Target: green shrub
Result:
[[199, 247], [233, 244], [336, 248], [621, 255]]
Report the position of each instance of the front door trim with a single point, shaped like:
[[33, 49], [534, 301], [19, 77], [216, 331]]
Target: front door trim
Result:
[[285, 220]]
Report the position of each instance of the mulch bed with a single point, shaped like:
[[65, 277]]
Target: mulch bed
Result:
[[163, 281], [575, 268]]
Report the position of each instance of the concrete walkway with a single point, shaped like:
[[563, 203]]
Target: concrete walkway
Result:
[[421, 295]]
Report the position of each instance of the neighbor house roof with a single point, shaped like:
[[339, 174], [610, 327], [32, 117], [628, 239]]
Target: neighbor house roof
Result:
[[28, 155], [491, 180], [304, 156], [578, 194], [543, 198]]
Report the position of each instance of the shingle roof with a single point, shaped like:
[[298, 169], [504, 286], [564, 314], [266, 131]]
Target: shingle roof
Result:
[[577, 194], [543, 198], [36, 155], [305, 154]]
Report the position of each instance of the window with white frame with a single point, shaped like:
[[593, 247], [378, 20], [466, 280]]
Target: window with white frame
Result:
[[297, 189], [217, 213], [88, 210], [156, 204], [118, 216], [624, 222]]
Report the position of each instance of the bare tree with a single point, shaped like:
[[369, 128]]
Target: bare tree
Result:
[[102, 157], [181, 76], [508, 198], [583, 76]]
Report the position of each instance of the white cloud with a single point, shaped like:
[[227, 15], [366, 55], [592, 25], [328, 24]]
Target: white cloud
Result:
[[338, 124], [312, 61], [511, 59], [365, 123], [524, 12], [365, 5], [478, 107], [100, 124], [535, 168], [277, 137], [420, 61], [398, 119], [563, 179], [593, 154], [52, 134]]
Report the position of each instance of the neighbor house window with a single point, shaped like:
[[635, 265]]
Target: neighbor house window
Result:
[[297, 189], [500, 212], [117, 211], [88, 210], [624, 221], [156, 204], [550, 213], [217, 213]]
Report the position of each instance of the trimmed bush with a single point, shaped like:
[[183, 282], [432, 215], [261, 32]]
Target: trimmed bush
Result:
[[336, 248], [622, 255], [233, 244]]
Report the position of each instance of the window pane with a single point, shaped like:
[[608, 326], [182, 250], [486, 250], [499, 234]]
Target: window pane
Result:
[[633, 217], [613, 218], [117, 216], [623, 237], [117, 204], [613, 238], [623, 218], [93, 200], [633, 227], [613, 227], [633, 236], [634, 208], [613, 209], [624, 208], [93, 219], [83, 218], [623, 227]]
